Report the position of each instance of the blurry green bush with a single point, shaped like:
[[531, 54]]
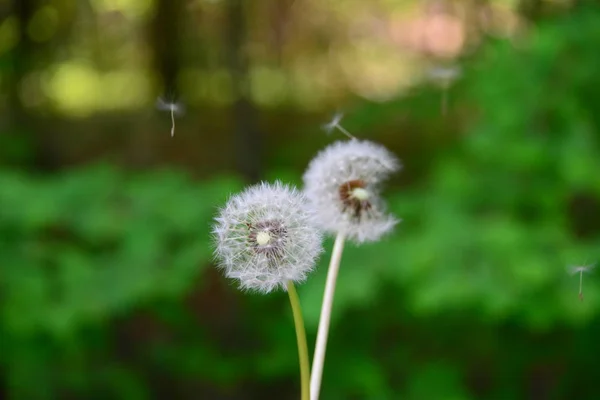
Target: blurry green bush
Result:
[[469, 299]]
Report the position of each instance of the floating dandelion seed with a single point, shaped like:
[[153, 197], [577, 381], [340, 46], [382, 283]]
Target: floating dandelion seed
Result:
[[335, 124], [173, 107], [335, 121], [444, 76], [580, 269]]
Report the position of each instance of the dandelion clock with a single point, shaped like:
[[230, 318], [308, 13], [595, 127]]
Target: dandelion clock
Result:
[[266, 239]]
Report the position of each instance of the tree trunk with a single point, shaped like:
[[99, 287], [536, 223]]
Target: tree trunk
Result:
[[165, 38], [18, 141], [247, 139]]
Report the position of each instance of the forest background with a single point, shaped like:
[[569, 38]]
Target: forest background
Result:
[[107, 285]]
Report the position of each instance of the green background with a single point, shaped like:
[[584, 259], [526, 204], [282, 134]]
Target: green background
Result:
[[107, 285]]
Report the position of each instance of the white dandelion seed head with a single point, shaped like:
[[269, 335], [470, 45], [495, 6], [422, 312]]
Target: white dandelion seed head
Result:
[[266, 236], [576, 269], [343, 185]]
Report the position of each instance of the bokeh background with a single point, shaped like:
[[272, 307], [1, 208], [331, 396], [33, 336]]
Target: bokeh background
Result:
[[107, 286]]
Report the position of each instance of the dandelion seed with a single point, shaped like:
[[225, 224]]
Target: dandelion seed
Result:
[[444, 76], [173, 107], [266, 236], [335, 124], [343, 182], [580, 269], [335, 121]]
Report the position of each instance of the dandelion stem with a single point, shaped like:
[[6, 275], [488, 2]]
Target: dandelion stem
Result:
[[301, 337], [320, 347]]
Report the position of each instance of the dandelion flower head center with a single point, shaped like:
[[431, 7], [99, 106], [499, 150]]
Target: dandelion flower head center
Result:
[[268, 237], [355, 197], [263, 238], [360, 194]]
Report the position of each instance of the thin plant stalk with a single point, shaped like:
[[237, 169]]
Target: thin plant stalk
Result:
[[301, 337], [323, 331], [172, 121], [581, 285], [345, 132]]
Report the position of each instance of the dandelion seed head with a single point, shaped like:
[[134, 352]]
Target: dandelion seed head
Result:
[[266, 236], [343, 185]]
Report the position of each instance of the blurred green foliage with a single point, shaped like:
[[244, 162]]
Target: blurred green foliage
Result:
[[108, 290]]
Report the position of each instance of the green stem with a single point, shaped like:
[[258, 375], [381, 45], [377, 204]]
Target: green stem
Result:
[[301, 337]]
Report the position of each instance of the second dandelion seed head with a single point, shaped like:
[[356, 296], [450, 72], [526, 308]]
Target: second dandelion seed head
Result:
[[343, 185]]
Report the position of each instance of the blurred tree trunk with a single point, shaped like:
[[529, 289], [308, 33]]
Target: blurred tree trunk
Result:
[[21, 58], [280, 17], [530, 9], [164, 38], [247, 139], [30, 140], [17, 124], [538, 10]]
